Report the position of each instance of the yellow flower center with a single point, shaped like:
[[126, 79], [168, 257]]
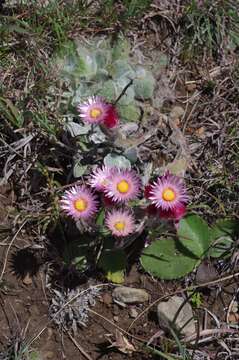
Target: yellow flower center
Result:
[[123, 186], [95, 113], [169, 194], [80, 205], [120, 225]]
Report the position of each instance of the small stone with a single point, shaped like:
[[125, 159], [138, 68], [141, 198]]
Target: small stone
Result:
[[176, 112], [129, 295], [133, 313], [116, 318], [176, 307], [200, 132], [27, 280]]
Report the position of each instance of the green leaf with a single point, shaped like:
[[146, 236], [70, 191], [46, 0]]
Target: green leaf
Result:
[[165, 259], [118, 161], [113, 262], [100, 218], [194, 234], [222, 234]]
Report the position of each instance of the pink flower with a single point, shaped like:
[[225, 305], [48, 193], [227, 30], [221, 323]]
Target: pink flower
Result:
[[100, 178], [176, 213], [123, 186], [168, 192], [112, 118], [94, 110], [79, 202], [120, 222]]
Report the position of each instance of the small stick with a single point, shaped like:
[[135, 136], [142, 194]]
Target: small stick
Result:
[[82, 351]]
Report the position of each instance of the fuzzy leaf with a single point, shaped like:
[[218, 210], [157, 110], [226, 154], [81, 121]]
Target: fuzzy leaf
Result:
[[98, 137], [144, 84], [128, 96], [178, 166], [108, 90], [113, 262], [77, 129], [194, 234], [79, 169], [121, 49], [165, 260], [118, 161], [129, 112], [131, 154], [121, 68], [86, 62]]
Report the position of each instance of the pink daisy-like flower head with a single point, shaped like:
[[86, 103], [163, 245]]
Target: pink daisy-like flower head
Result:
[[79, 202], [112, 118], [94, 110], [120, 222], [168, 192], [100, 178], [123, 186]]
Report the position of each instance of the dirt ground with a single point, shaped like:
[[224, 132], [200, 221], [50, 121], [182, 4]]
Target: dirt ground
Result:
[[31, 255]]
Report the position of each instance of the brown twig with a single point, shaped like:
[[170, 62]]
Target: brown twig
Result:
[[82, 351], [118, 327]]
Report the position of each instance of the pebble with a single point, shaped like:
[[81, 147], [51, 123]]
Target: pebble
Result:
[[130, 295], [167, 311], [176, 112], [133, 313]]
